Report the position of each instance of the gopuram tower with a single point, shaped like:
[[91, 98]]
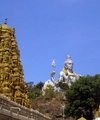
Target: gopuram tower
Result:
[[12, 82]]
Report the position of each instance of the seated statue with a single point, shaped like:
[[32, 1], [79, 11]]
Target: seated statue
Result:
[[66, 75]]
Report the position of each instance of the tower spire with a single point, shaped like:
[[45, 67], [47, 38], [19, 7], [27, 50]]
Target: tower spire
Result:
[[5, 21]]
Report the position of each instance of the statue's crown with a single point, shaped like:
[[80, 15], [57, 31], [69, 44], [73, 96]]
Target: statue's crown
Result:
[[68, 58]]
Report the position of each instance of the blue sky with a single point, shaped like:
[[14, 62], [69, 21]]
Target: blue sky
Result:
[[53, 29]]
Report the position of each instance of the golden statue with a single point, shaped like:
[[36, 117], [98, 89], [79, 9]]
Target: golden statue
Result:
[[82, 118]]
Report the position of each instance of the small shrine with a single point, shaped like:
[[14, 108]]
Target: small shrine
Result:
[[12, 82], [82, 118], [47, 85], [98, 114]]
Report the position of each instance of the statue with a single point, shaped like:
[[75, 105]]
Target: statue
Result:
[[47, 85], [49, 82], [66, 75]]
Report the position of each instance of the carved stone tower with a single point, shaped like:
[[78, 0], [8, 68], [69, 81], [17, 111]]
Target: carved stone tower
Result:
[[12, 82]]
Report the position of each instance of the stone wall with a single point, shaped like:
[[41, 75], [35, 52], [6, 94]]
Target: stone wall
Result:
[[15, 111]]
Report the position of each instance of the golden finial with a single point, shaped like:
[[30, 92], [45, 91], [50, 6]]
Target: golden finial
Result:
[[5, 21], [82, 118]]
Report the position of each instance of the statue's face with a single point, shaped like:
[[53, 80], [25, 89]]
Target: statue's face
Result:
[[69, 64]]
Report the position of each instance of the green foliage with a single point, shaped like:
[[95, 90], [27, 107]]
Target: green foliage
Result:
[[42, 111], [32, 95], [63, 86], [39, 85], [83, 97], [53, 118], [34, 90], [30, 86]]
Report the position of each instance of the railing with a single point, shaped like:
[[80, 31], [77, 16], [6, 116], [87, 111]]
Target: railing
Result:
[[19, 112]]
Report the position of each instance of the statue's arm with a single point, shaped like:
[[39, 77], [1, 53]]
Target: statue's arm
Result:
[[52, 76], [63, 77]]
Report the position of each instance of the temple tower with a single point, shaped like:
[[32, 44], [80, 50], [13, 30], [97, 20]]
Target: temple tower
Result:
[[12, 82]]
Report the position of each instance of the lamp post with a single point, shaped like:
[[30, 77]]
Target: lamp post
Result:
[[63, 106]]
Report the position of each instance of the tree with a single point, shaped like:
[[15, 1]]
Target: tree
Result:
[[83, 97], [34, 90], [39, 85], [30, 86], [63, 86]]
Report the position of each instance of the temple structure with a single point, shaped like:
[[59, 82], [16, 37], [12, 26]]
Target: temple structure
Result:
[[98, 114], [12, 82]]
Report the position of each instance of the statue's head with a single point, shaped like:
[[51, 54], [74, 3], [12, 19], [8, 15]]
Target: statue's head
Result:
[[68, 63], [48, 82]]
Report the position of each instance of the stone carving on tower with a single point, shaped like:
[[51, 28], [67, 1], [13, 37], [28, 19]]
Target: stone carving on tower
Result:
[[12, 82]]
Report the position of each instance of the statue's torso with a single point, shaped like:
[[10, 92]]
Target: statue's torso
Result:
[[67, 77]]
